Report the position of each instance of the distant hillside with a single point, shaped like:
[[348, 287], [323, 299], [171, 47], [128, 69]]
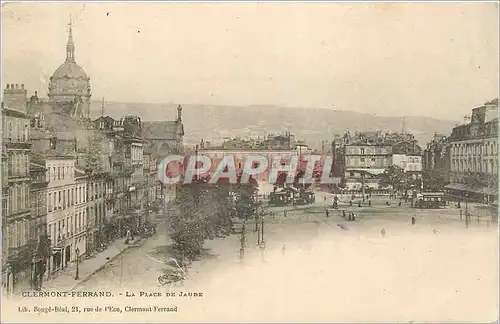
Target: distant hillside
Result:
[[214, 123]]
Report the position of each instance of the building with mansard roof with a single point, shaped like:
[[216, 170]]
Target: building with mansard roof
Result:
[[473, 153]]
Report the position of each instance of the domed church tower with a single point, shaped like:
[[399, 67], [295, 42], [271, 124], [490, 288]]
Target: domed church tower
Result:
[[69, 88]]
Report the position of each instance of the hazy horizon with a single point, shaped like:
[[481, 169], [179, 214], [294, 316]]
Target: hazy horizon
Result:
[[274, 107], [388, 59]]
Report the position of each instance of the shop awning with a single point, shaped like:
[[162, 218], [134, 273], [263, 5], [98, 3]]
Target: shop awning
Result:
[[485, 191], [370, 171], [464, 187], [457, 186]]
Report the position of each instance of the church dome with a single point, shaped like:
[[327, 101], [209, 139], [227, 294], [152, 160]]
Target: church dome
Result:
[[70, 85], [69, 70]]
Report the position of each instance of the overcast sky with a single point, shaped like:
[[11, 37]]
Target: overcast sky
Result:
[[432, 59]]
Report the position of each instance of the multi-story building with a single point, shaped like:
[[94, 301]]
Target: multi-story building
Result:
[[436, 155], [81, 228], [125, 179], [60, 205], [277, 149], [408, 156], [436, 164], [474, 154], [165, 138], [93, 160], [361, 159], [134, 160], [17, 249], [38, 232], [150, 165]]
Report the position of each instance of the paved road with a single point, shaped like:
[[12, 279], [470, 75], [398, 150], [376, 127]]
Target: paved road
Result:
[[326, 273], [136, 268]]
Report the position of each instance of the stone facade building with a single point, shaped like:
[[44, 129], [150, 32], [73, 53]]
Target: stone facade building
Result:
[[361, 158], [164, 138], [17, 245], [38, 232], [474, 155], [436, 155]]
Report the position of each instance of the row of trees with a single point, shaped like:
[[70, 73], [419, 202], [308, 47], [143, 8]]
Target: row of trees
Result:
[[205, 211], [400, 180]]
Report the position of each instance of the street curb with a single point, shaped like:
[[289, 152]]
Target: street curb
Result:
[[102, 266]]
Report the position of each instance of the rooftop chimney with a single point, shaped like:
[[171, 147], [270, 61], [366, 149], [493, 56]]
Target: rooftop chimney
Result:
[[15, 97]]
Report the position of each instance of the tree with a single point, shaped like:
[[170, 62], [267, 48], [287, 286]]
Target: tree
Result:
[[435, 180], [205, 213], [394, 176]]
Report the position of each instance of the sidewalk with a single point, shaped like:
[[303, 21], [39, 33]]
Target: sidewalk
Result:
[[66, 281]]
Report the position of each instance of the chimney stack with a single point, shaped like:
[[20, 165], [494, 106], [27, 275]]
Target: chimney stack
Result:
[[15, 97]]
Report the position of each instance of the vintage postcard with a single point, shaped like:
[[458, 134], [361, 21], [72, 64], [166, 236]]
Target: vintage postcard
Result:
[[249, 162]]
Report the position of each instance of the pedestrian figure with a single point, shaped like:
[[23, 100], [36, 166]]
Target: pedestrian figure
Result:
[[343, 213], [283, 249], [350, 202], [400, 203], [413, 220], [458, 204], [359, 203], [382, 232], [353, 217], [327, 214]]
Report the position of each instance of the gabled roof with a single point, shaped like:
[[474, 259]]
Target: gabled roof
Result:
[[169, 130]]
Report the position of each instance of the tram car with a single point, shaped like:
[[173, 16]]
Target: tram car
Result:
[[280, 197], [431, 200]]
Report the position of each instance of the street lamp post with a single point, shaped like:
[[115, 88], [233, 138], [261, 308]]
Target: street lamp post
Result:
[[77, 263]]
